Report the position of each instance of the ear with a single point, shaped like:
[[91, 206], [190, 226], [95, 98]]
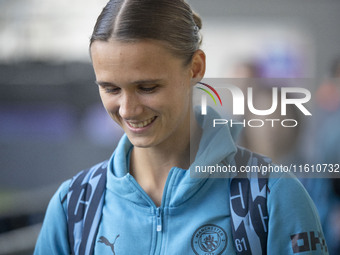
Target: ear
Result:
[[197, 67]]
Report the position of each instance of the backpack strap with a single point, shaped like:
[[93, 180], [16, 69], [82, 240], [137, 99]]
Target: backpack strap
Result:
[[248, 205], [85, 200]]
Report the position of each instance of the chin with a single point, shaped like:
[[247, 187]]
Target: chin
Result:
[[141, 142]]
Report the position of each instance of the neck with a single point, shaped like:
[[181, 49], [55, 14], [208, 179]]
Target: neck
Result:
[[151, 166]]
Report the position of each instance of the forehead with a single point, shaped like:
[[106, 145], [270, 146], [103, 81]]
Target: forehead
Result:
[[122, 48], [133, 59]]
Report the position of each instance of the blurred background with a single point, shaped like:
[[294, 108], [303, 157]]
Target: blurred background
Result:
[[52, 124]]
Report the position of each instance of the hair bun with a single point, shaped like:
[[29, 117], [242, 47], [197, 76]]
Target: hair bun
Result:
[[197, 19]]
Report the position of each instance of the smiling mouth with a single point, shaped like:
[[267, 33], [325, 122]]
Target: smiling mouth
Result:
[[142, 123]]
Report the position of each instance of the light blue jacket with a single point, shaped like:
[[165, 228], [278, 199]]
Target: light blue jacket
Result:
[[192, 210]]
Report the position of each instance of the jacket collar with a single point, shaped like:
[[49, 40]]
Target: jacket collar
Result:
[[216, 144]]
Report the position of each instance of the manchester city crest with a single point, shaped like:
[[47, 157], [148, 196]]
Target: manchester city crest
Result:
[[209, 240]]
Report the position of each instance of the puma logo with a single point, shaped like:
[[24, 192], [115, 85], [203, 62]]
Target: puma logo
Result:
[[104, 240]]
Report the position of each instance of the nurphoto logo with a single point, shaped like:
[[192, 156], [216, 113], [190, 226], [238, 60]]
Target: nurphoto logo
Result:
[[243, 101]]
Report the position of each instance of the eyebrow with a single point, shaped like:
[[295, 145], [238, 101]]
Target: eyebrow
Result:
[[138, 82], [104, 83]]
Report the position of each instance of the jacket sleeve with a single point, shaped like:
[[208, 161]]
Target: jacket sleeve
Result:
[[53, 237], [294, 226]]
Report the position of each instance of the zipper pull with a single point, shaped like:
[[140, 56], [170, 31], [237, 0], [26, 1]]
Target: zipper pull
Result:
[[159, 219]]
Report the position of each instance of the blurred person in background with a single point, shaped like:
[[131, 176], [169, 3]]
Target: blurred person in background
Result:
[[328, 94], [278, 142], [326, 192], [147, 59]]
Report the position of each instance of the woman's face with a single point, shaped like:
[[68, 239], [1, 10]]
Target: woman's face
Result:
[[145, 89]]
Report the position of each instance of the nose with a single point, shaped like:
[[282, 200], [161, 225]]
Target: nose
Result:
[[130, 106]]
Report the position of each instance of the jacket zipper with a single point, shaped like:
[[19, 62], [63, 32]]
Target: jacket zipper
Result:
[[158, 230], [159, 213], [159, 219]]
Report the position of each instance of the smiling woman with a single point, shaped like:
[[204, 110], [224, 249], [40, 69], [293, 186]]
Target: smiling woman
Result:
[[141, 101], [146, 58]]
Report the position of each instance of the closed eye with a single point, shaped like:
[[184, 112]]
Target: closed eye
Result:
[[148, 89], [108, 87], [111, 90]]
